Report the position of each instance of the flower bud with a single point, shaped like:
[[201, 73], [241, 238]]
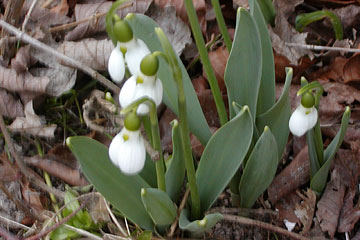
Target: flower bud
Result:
[[308, 100], [123, 31], [149, 65], [132, 122]]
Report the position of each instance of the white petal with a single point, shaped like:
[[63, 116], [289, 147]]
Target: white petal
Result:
[[127, 92], [133, 154], [302, 120], [134, 54], [116, 65], [114, 147], [158, 92]]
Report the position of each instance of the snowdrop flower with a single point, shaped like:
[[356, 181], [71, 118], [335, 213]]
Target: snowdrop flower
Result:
[[127, 149], [128, 49], [305, 116], [144, 83]]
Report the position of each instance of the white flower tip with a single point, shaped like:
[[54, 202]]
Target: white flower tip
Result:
[[116, 65]]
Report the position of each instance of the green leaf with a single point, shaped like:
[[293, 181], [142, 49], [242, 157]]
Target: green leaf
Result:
[[222, 157], [62, 233], [313, 158], [149, 172], [243, 69], [143, 28], [159, 206], [260, 169], [122, 191], [146, 235], [198, 226], [277, 117], [268, 11], [175, 173], [266, 98], [318, 182], [109, 21]]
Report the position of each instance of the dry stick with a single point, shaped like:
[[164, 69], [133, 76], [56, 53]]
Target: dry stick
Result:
[[55, 226], [13, 224], [7, 235], [240, 211], [323, 48], [181, 207], [96, 16], [47, 3], [69, 61], [32, 178], [267, 226], [28, 14]]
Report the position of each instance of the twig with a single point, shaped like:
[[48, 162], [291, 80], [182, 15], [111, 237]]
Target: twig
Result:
[[12, 224], [115, 220], [181, 207], [69, 61], [28, 14], [240, 211], [96, 17], [267, 226], [323, 48], [7, 235], [32, 178], [83, 232], [55, 226]]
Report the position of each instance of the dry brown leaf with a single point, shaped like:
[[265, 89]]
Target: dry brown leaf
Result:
[[32, 124], [9, 105], [31, 197], [200, 84], [296, 174], [285, 33], [241, 3], [333, 72], [305, 210], [8, 171], [91, 52], [86, 11], [22, 60], [179, 5], [287, 7], [286, 207], [97, 208], [175, 29], [218, 59], [351, 71], [330, 204], [24, 82], [62, 8]]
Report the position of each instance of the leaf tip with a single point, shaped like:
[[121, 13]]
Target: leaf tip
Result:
[[266, 128], [68, 142], [130, 16], [143, 192], [174, 123], [246, 108], [202, 223], [347, 110]]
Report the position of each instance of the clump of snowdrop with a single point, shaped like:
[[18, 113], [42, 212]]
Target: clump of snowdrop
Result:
[[129, 50], [143, 83], [305, 116], [127, 149]]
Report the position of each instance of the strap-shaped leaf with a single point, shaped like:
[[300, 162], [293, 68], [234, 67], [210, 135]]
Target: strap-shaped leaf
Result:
[[243, 69], [175, 173], [268, 10], [277, 117], [198, 226], [319, 180], [313, 158], [159, 206], [222, 157], [122, 191], [260, 169], [143, 28], [266, 98]]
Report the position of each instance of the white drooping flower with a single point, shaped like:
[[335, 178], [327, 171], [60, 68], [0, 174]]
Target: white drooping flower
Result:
[[128, 50], [305, 117], [127, 149], [144, 83]]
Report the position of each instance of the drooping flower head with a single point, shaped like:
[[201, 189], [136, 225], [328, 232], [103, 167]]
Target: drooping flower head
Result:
[[127, 149], [305, 116], [128, 50], [144, 83]]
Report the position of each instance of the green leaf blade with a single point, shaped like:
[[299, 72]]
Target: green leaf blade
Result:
[[198, 227], [243, 69], [260, 169], [120, 190], [222, 157]]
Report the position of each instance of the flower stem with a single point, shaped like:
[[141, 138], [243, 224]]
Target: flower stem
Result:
[[200, 43], [222, 25], [159, 164], [184, 128]]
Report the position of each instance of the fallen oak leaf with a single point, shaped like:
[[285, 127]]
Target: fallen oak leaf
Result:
[[306, 209], [330, 204], [9, 106], [62, 8], [351, 70], [22, 60], [32, 124], [8, 171]]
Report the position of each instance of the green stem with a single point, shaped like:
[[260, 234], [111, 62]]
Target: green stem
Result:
[[159, 164], [194, 23], [184, 128], [222, 25]]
